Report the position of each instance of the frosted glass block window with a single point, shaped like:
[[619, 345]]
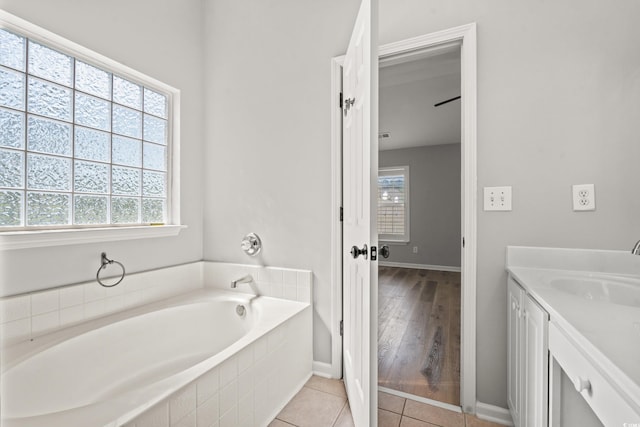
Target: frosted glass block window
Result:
[[93, 80], [125, 210], [11, 208], [126, 151], [48, 173], [91, 144], [12, 50], [11, 128], [127, 122], [154, 157], [90, 209], [152, 210], [48, 208], [155, 103], [155, 129], [49, 136], [93, 112], [50, 100], [154, 184], [80, 143], [91, 177], [11, 89], [125, 181], [49, 64], [12, 172], [127, 93]]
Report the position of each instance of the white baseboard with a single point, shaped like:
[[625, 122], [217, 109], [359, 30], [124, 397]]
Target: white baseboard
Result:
[[419, 266], [493, 413], [322, 369]]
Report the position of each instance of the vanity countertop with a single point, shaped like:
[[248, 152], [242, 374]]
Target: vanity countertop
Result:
[[608, 333]]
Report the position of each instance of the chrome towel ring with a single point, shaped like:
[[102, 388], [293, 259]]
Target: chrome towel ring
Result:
[[104, 262]]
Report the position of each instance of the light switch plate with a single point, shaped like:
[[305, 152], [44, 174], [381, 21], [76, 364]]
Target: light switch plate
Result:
[[497, 198], [584, 197]]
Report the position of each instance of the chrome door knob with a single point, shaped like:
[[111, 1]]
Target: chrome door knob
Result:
[[356, 252], [384, 251]]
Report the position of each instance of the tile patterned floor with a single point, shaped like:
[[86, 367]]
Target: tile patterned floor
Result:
[[323, 403]]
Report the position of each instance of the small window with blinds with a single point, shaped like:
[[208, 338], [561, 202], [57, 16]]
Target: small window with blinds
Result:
[[393, 204]]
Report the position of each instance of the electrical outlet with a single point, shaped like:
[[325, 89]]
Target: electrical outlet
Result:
[[415, 249], [584, 197], [497, 198]]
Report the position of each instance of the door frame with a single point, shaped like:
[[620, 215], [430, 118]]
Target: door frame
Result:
[[403, 51]]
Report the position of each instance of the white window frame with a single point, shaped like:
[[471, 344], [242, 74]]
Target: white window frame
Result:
[[406, 237], [68, 235]]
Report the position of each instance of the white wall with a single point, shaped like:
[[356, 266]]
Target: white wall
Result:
[[268, 136], [434, 191], [162, 39]]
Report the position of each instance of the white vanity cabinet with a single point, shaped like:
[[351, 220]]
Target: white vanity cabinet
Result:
[[602, 395], [528, 358]]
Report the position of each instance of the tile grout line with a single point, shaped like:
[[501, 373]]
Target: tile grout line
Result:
[[340, 413], [326, 392], [426, 422]]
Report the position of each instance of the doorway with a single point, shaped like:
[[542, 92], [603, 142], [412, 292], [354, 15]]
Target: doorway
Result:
[[419, 47], [419, 219]]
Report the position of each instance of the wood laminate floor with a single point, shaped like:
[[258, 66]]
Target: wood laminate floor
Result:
[[419, 332]]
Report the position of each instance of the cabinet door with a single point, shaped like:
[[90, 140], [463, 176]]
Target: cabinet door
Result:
[[514, 328], [535, 360]]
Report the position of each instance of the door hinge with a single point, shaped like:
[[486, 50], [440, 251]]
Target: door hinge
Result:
[[341, 100], [463, 242], [341, 214], [341, 328]]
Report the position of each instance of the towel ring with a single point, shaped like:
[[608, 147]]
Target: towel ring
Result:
[[104, 261]]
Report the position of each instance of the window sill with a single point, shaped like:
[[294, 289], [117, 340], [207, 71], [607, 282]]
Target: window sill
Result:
[[41, 238]]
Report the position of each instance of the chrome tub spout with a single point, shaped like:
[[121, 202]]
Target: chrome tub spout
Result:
[[245, 279]]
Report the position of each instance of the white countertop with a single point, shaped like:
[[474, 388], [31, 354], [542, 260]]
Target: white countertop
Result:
[[606, 333]]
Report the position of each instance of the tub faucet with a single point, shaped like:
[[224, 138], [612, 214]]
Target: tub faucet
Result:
[[636, 248], [246, 279]]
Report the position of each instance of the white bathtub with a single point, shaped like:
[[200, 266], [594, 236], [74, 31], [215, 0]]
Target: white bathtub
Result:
[[109, 371]]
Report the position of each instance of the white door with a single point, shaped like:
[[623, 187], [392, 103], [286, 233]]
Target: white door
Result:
[[360, 172]]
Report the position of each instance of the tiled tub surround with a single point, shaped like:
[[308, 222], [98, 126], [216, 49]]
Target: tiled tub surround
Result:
[[294, 285], [34, 314], [245, 384]]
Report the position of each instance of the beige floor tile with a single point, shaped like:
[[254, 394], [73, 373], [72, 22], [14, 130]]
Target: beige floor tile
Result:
[[345, 419], [410, 422], [312, 408], [388, 419], [433, 414], [279, 423], [327, 385], [472, 421], [390, 402]]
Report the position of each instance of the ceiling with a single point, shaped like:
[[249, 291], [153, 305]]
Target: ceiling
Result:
[[408, 92]]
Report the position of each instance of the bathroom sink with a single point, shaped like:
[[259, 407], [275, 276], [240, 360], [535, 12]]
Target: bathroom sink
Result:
[[623, 292]]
